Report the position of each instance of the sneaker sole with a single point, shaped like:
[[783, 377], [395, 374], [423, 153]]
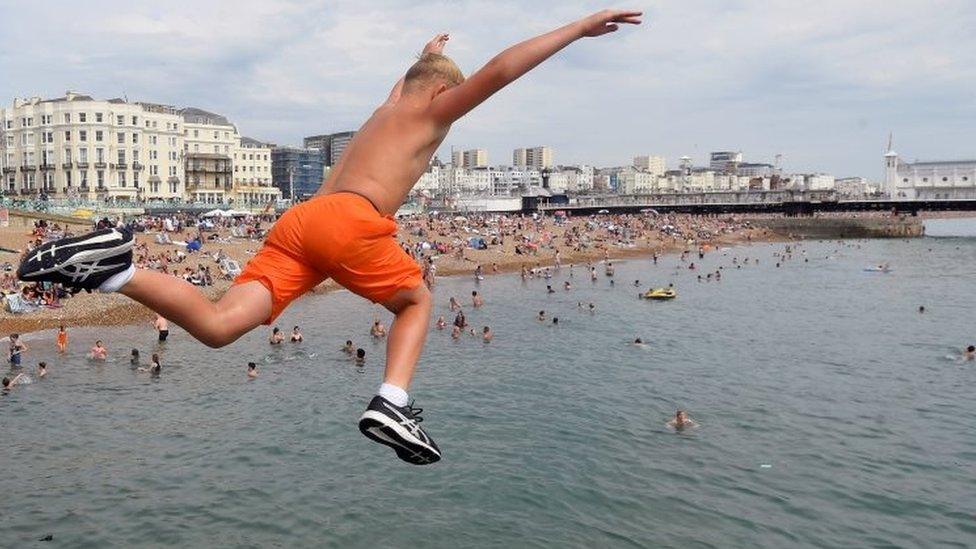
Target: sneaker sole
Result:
[[87, 256], [377, 427]]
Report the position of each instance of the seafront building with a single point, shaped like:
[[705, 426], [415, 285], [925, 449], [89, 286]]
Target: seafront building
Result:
[[470, 159], [297, 171], [79, 147], [925, 180], [252, 173]]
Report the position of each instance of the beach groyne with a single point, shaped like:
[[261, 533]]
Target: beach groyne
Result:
[[840, 227]]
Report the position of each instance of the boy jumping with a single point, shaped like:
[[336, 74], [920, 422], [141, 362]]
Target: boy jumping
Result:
[[346, 232]]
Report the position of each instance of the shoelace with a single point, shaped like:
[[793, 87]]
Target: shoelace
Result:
[[415, 412]]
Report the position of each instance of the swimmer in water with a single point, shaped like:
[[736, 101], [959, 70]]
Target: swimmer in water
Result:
[[252, 370], [348, 347], [162, 326], [296, 335], [360, 356], [486, 334], [969, 353], [456, 332], [542, 316], [476, 300], [62, 339], [681, 421], [567, 286], [921, 309], [41, 369], [16, 350], [378, 330], [549, 289], [441, 323], [639, 342], [98, 352], [454, 305], [134, 358], [18, 379], [276, 336], [555, 321], [155, 368]]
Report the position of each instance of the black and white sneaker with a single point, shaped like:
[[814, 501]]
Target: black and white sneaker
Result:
[[399, 428], [80, 262]]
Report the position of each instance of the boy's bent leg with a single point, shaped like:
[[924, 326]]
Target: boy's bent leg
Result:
[[242, 308], [407, 334]]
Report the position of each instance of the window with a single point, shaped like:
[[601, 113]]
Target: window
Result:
[[82, 117], [121, 156], [120, 138], [82, 135], [152, 139], [135, 180], [83, 155], [26, 122], [47, 157], [46, 119], [135, 157], [99, 155], [904, 180], [98, 117], [67, 178], [47, 137], [98, 135], [122, 179], [67, 155], [100, 179], [48, 181], [216, 134], [945, 179], [120, 120], [135, 120], [84, 179], [67, 118], [67, 135], [196, 133], [135, 139]]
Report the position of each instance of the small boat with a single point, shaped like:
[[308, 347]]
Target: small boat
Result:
[[660, 293]]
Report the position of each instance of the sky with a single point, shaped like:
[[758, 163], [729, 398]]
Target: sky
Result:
[[821, 83]]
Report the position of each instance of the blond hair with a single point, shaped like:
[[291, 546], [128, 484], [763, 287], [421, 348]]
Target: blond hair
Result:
[[433, 67]]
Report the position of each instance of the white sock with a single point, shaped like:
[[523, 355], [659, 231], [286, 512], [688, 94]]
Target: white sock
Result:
[[394, 394], [116, 281]]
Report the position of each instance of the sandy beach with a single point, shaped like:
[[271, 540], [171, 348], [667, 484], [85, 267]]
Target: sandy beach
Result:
[[111, 309]]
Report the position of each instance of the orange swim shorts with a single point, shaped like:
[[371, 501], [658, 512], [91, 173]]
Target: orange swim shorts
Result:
[[339, 236]]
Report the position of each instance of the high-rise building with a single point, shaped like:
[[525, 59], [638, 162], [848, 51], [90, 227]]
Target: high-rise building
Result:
[[331, 144], [298, 169], [470, 159], [534, 157], [655, 165], [77, 146]]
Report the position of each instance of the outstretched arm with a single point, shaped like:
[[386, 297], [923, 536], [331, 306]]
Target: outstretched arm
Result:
[[436, 45], [519, 59]]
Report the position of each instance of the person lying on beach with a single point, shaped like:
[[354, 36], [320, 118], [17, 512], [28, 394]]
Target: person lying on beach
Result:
[[346, 232], [681, 421]]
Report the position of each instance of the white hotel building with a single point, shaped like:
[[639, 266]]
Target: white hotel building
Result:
[[929, 180], [79, 147]]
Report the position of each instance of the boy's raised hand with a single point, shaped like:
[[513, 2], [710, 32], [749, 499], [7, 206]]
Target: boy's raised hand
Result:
[[606, 21], [436, 44]]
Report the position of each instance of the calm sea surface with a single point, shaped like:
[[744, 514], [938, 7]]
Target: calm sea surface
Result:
[[832, 414]]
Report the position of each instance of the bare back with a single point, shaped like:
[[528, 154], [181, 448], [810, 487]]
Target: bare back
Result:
[[388, 154]]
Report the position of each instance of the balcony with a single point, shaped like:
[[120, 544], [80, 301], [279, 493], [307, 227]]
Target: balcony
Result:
[[29, 168], [121, 166], [100, 165], [136, 166], [66, 165], [82, 165], [47, 167], [9, 169]]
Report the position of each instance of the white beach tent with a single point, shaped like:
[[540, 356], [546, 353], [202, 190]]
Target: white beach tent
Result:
[[216, 213]]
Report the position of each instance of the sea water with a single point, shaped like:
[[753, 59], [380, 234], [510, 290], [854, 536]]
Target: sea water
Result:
[[832, 413]]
